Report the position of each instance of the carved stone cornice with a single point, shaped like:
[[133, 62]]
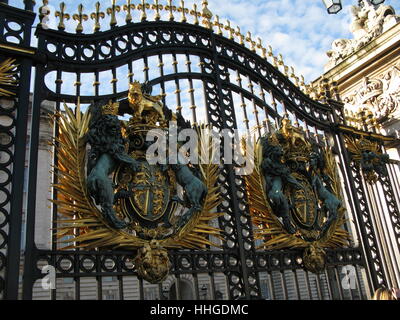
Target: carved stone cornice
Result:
[[378, 98], [369, 22]]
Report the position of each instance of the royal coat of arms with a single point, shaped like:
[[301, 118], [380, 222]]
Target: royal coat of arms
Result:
[[114, 196], [294, 195]]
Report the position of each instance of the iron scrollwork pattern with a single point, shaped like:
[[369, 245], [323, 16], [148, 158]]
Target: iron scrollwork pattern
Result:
[[81, 55]]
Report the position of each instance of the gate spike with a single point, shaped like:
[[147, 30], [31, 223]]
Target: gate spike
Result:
[[96, 17], [206, 14], [260, 46], [44, 12], [270, 53], [218, 25], [157, 7], [62, 15], [241, 37], [183, 10], [171, 9], [111, 12], [80, 17], [127, 8], [143, 6], [252, 43], [230, 29], [196, 14]]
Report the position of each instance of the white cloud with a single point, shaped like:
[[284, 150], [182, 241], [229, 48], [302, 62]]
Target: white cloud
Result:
[[301, 30]]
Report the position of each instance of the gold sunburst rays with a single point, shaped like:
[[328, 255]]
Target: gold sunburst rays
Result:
[[84, 221], [7, 76], [270, 230], [356, 146], [197, 232]]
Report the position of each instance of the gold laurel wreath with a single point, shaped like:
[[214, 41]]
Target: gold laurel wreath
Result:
[[7, 76], [269, 229], [84, 221]]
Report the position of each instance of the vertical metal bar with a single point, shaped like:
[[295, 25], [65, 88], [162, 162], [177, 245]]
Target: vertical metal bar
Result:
[[178, 287], [161, 69], [271, 285], [96, 83], [114, 80], [296, 281], [385, 233], [212, 286], [339, 284], [377, 230], [121, 288], [359, 283], [17, 183], [141, 290], [196, 286], [275, 107], [330, 295], [264, 107], [255, 108], [273, 289], [177, 85], [130, 68], [353, 197], [283, 283], [308, 285], [29, 4], [243, 103], [30, 251], [146, 68], [319, 292]]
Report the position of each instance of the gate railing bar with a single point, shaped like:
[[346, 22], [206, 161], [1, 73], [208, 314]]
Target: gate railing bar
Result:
[[28, 278], [378, 230], [382, 215]]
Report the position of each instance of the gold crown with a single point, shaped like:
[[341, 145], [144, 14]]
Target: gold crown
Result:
[[110, 108]]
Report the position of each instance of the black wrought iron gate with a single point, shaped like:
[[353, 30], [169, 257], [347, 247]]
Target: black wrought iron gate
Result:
[[224, 80]]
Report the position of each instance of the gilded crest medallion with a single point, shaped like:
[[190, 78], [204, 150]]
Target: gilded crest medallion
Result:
[[294, 195], [124, 199]]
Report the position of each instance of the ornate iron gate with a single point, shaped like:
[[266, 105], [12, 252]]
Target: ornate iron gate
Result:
[[224, 80]]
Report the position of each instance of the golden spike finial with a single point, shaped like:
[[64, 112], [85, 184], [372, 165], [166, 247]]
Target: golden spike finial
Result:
[[292, 74], [80, 17], [143, 6], [171, 9], [183, 10], [44, 12], [270, 53], [62, 15], [230, 29], [157, 7], [196, 14], [260, 46], [128, 7], [280, 60], [286, 70], [111, 12], [302, 83], [252, 43], [206, 14], [218, 25], [275, 62], [96, 16], [241, 37]]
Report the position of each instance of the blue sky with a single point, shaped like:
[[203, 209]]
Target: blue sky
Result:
[[301, 30]]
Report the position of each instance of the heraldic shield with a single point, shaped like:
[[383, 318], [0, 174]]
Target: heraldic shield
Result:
[[110, 191], [294, 195], [150, 189]]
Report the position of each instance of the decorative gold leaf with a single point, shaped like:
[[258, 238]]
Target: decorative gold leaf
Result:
[[85, 221]]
